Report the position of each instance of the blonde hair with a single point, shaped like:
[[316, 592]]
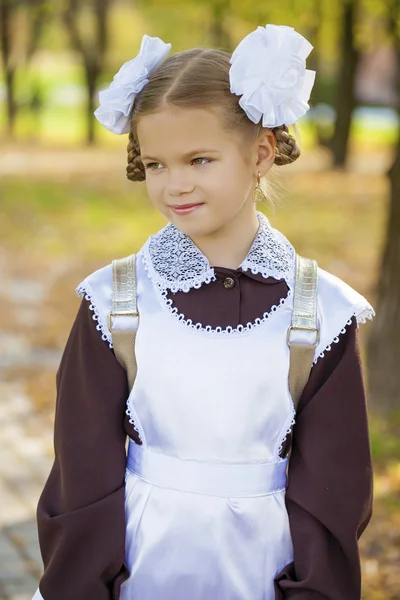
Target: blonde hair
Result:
[[199, 78]]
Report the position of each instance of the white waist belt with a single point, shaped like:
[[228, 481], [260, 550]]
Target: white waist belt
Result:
[[201, 477]]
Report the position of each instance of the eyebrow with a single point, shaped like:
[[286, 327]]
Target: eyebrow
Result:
[[187, 154]]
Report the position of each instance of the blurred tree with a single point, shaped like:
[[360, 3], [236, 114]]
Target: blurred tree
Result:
[[383, 354], [345, 100], [311, 29], [7, 10], [220, 34], [39, 12], [214, 30], [91, 46]]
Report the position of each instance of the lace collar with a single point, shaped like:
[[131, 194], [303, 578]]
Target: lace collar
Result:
[[173, 261]]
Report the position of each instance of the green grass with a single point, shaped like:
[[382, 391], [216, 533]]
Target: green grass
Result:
[[94, 208], [385, 439], [76, 217]]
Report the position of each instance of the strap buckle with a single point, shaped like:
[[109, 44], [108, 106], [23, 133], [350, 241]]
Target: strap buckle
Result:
[[300, 327], [133, 313]]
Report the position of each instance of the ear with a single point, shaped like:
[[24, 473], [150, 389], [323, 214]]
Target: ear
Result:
[[265, 150]]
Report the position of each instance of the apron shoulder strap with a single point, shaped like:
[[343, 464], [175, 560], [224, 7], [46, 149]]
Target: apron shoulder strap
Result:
[[304, 326], [124, 304]]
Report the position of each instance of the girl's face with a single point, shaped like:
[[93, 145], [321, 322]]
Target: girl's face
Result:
[[190, 160]]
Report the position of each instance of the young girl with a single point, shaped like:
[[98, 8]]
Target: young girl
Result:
[[201, 509]]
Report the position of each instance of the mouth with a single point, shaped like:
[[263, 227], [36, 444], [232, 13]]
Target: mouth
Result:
[[184, 209]]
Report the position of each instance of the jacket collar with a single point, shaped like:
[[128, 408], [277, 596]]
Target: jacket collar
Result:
[[173, 261]]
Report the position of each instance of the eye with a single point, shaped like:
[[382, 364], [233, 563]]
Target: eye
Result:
[[200, 158], [152, 166]]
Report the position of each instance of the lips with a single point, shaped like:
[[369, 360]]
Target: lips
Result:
[[186, 209], [182, 206]]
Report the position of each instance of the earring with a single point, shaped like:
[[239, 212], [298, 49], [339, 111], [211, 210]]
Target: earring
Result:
[[259, 191]]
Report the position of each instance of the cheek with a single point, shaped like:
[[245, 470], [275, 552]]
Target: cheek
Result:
[[212, 181], [219, 178], [234, 182], [154, 187]]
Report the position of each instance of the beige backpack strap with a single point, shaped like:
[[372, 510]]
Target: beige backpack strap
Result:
[[304, 320], [124, 304]]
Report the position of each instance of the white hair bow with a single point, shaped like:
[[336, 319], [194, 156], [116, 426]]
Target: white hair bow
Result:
[[268, 72], [116, 102]]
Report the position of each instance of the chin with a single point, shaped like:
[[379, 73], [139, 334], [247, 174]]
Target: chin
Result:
[[189, 223], [191, 230]]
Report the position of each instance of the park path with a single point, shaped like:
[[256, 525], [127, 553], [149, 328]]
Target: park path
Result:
[[25, 442], [26, 437]]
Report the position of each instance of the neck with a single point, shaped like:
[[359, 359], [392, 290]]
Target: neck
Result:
[[230, 244]]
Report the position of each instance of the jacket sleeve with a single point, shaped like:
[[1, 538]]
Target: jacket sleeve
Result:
[[330, 480], [80, 512]]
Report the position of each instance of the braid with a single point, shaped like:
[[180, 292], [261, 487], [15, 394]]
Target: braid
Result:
[[135, 170], [287, 150]]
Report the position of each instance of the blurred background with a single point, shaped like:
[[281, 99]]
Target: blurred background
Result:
[[67, 209]]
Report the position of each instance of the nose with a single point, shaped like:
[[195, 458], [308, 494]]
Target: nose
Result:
[[179, 184]]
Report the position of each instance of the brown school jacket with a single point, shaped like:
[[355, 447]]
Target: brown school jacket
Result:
[[80, 513]]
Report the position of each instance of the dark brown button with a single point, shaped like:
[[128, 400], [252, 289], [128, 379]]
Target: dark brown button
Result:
[[229, 283]]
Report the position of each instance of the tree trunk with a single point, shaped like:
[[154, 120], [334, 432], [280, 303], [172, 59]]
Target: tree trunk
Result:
[[39, 16], [92, 54], [314, 64], [345, 98], [91, 78], [220, 37], [95, 65], [9, 70], [383, 350]]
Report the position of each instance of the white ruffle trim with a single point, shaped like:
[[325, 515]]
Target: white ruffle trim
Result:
[[362, 315], [288, 428], [84, 289], [134, 419], [366, 313], [218, 331]]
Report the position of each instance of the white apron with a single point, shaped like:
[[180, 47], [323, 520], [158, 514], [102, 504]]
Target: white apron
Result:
[[205, 493]]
